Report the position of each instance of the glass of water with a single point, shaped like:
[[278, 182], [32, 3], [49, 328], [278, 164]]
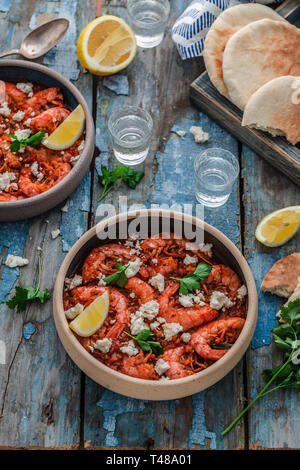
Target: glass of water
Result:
[[130, 129], [148, 20], [215, 171]]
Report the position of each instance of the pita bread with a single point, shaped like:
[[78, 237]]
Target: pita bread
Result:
[[295, 295], [229, 22], [275, 108], [256, 54], [282, 279]]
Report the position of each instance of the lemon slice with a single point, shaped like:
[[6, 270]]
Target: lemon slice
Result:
[[106, 45], [66, 134], [92, 318], [278, 227]]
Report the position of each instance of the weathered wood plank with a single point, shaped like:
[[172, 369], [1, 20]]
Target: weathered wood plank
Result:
[[273, 421], [194, 422], [40, 386]]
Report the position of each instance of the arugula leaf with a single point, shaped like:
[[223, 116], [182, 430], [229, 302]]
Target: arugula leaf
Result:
[[33, 140], [191, 282], [26, 294], [119, 277], [144, 341], [108, 179], [286, 375]]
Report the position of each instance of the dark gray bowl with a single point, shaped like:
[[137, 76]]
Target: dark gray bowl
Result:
[[17, 71]]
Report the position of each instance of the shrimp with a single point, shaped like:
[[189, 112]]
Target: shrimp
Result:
[[225, 277], [164, 266], [30, 186], [119, 302], [177, 369], [86, 294], [10, 159], [49, 120], [39, 101], [141, 289], [187, 317], [13, 94], [135, 366], [216, 331], [103, 259]]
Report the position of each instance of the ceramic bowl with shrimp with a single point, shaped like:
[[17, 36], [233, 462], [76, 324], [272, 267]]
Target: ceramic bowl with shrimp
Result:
[[34, 101], [181, 313]]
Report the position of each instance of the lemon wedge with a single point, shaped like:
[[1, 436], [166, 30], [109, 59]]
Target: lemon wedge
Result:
[[278, 227], [92, 318], [106, 45], [66, 134]]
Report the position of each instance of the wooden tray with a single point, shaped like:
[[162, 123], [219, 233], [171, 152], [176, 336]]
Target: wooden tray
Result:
[[276, 150]]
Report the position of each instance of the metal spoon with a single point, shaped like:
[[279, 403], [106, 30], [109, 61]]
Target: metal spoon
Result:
[[41, 39]]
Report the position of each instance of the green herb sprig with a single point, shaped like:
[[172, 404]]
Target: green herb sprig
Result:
[[33, 140], [286, 375], [26, 294], [191, 282], [108, 179], [119, 277], [144, 340]]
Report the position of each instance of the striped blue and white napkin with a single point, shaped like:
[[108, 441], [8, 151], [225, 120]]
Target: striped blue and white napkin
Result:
[[191, 27]]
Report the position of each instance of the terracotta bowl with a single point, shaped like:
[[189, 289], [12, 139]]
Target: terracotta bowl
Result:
[[224, 249], [17, 71]]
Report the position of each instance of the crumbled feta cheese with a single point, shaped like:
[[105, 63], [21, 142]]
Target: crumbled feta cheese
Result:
[[27, 122], [103, 345], [171, 329], [181, 133], [206, 248], [6, 179], [73, 312], [189, 299], [129, 349], [161, 366], [81, 146], [242, 292], [219, 300], [55, 233], [132, 295], [190, 260], [101, 278], [160, 320], [73, 282], [149, 309], [158, 282], [199, 135], [4, 109], [155, 261], [163, 377], [22, 133], [137, 324], [18, 116], [91, 349], [35, 171], [13, 261], [185, 337], [154, 325], [133, 267], [80, 150], [25, 87]]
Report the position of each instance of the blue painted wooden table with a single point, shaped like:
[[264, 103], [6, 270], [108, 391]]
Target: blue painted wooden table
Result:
[[45, 401]]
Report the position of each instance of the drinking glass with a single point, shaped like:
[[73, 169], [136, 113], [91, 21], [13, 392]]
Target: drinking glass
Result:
[[130, 129], [148, 19], [215, 172]]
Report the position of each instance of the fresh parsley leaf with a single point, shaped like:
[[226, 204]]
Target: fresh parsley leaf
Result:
[[108, 179], [291, 313], [33, 140], [119, 277], [26, 294], [144, 341], [191, 282]]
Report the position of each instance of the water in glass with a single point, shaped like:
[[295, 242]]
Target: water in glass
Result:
[[215, 173], [148, 20]]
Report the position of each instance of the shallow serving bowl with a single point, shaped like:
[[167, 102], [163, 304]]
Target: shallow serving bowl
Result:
[[224, 250], [17, 71]]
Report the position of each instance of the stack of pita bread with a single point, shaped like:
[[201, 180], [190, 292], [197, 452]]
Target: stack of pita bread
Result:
[[252, 56]]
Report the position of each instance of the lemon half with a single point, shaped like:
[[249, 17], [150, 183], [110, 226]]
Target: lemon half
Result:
[[106, 45], [278, 227], [92, 318], [66, 134]]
